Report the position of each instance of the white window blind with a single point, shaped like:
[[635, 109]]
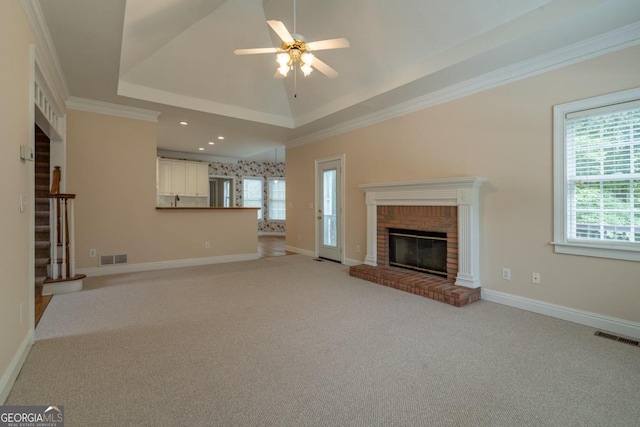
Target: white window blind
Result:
[[277, 199], [603, 174], [252, 194]]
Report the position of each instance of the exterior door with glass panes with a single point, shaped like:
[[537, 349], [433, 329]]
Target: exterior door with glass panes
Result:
[[328, 210]]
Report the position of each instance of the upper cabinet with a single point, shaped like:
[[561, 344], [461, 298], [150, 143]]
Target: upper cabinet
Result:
[[178, 177], [182, 178], [164, 177], [197, 179]]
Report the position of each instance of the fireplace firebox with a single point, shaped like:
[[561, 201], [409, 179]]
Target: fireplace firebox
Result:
[[424, 251]]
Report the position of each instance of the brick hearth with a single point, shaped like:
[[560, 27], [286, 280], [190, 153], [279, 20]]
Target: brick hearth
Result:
[[426, 285]]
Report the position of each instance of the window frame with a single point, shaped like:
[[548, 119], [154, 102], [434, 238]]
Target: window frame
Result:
[[562, 244], [244, 199], [270, 198]]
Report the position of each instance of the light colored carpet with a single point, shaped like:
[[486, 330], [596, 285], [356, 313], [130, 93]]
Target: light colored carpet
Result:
[[290, 341]]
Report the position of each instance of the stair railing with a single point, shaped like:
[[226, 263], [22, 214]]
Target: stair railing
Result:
[[63, 259]]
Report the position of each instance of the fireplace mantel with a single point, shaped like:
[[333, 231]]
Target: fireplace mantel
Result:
[[461, 192]]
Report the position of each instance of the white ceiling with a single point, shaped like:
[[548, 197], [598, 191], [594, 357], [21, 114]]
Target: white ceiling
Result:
[[176, 57]]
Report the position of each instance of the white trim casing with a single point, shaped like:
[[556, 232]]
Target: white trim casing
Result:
[[92, 106], [593, 320], [461, 192], [300, 251], [10, 375], [163, 265]]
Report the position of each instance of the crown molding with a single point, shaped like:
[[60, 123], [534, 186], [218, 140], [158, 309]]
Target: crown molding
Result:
[[611, 41], [181, 155], [46, 52], [92, 106]]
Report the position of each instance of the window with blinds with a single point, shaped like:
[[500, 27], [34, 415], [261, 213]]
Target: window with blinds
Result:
[[277, 199], [597, 186], [252, 194]]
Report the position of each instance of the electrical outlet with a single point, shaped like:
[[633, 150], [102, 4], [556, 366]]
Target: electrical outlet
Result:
[[506, 273], [92, 253], [207, 245], [535, 278], [357, 248]]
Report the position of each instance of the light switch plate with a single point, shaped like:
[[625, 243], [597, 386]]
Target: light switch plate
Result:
[[26, 153]]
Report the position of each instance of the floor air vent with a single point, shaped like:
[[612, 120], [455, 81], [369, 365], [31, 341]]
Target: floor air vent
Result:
[[113, 259], [617, 338]]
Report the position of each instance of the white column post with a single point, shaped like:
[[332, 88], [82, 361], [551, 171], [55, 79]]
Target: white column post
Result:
[[468, 240], [63, 234], [72, 241], [53, 220], [372, 232]]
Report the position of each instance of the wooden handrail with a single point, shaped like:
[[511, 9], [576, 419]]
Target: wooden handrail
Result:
[[62, 196]]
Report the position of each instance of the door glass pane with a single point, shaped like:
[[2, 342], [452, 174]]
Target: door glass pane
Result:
[[329, 219]]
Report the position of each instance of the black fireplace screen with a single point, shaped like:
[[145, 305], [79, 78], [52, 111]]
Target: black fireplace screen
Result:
[[418, 250]]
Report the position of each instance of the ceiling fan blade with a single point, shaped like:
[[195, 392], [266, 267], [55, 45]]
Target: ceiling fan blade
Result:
[[324, 68], [256, 50], [329, 44], [281, 31]]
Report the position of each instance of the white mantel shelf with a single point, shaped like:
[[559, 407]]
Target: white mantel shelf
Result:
[[462, 192]]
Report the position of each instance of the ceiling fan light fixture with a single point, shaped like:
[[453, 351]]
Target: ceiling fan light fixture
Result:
[[282, 58], [306, 69], [307, 58], [283, 70]]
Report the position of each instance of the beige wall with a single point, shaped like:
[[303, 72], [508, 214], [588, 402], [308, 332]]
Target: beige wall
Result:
[[15, 122], [111, 167], [505, 135]]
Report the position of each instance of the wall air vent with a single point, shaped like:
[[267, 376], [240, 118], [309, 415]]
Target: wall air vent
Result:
[[113, 259], [617, 338]]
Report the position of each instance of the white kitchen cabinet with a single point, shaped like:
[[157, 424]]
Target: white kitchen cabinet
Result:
[[183, 178], [178, 177], [164, 177], [197, 179], [191, 187]]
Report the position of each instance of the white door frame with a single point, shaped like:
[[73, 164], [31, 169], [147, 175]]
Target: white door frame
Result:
[[341, 213]]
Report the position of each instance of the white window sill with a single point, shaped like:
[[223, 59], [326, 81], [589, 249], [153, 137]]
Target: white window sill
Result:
[[627, 254]]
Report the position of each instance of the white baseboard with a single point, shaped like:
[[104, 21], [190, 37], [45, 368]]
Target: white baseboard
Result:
[[162, 265], [312, 254], [350, 261], [271, 233], [10, 375], [593, 320], [58, 288], [305, 252]]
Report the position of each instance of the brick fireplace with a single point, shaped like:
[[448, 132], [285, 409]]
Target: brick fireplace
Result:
[[448, 206], [420, 218]]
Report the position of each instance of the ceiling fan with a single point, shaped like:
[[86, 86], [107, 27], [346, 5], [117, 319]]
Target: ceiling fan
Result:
[[294, 49]]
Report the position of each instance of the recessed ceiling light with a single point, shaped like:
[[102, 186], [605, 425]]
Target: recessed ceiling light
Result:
[[221, 137], [183, 123], [212, 143], [201, 148]]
